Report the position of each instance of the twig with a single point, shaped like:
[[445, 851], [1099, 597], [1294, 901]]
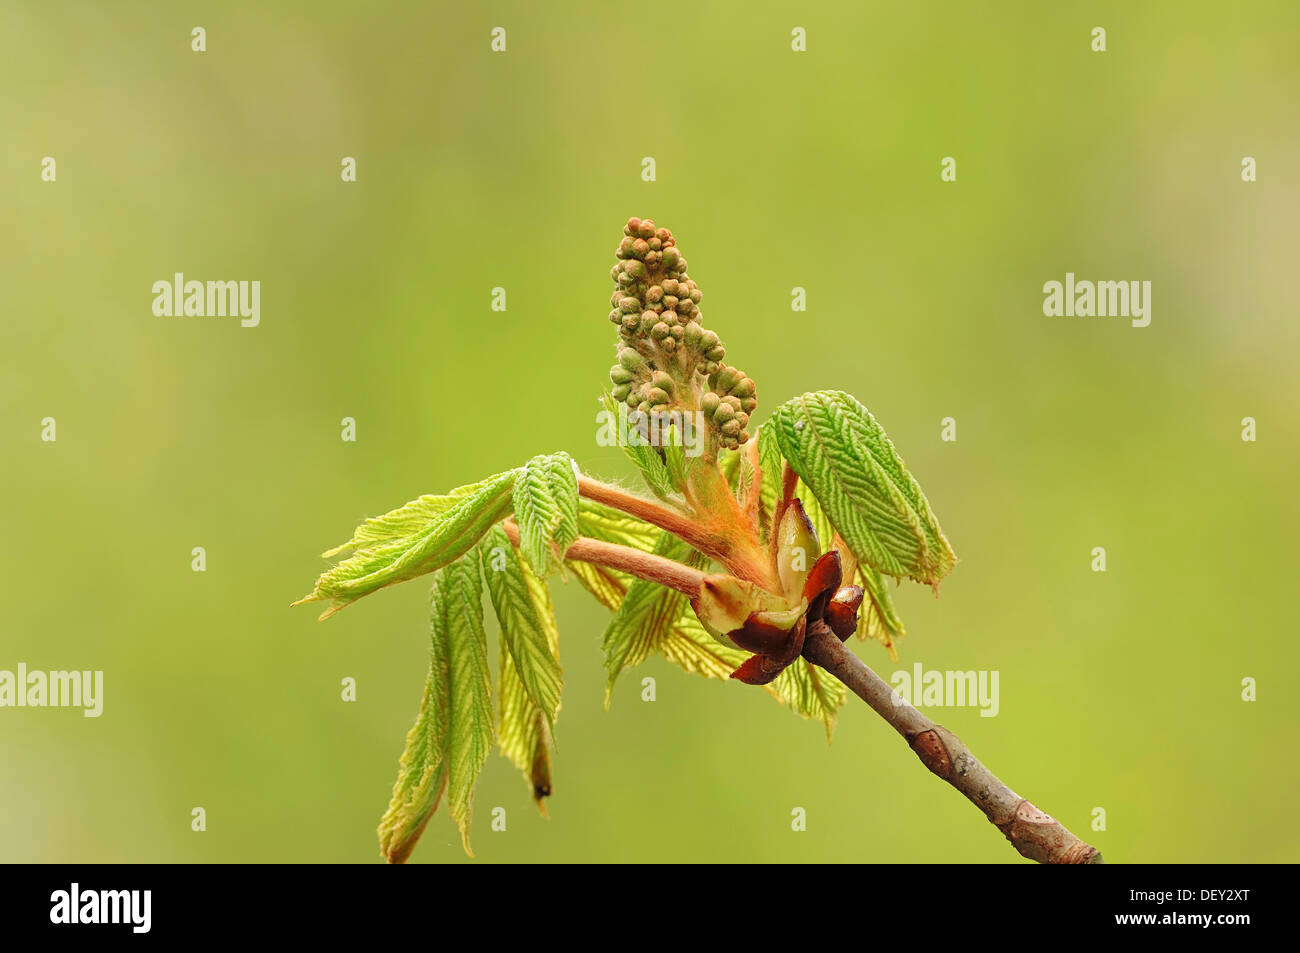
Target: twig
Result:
[[1033, 833]]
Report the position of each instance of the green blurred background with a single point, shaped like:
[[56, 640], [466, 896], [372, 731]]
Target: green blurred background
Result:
[[775, 169]]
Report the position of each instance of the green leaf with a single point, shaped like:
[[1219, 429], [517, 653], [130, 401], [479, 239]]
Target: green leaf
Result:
[[453, 732], [422, 770], [771, 462], [839, 450], [524, 729], [688, 644], [877, 618], [811, 692], [685, 643], [646, 615], [676, 461], [609, 525], [646, 457], [404, 521], [458, 595], [527, 629], [416, 539], [609, 586], [546, 509]]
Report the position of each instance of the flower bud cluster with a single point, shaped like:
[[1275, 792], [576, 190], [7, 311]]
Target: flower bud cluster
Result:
[[666, 358]]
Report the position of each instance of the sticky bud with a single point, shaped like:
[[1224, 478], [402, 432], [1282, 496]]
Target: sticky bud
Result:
[[797, 548]]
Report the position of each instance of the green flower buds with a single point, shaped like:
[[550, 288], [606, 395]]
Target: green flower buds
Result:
[[630, 359], [665, 355]]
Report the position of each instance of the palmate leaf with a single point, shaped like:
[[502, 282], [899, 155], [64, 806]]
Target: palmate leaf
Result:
[[415, 539], [453, 732], [546, 509], [527, 625], [839, 450]]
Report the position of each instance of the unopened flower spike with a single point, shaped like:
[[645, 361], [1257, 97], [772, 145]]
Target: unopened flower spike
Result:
[[667, 359]]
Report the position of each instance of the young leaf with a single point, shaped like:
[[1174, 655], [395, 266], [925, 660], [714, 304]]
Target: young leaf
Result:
[[685, 642], [839, 450], [646, 457], [524, 728], [458, 592], [645, 616], [771, 462], [609, 586], [546, 509], [614, 526], [383, 558], [422, 770], [690, 646], [811, 692], [877, 618], [527, 629], [404, 521]]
